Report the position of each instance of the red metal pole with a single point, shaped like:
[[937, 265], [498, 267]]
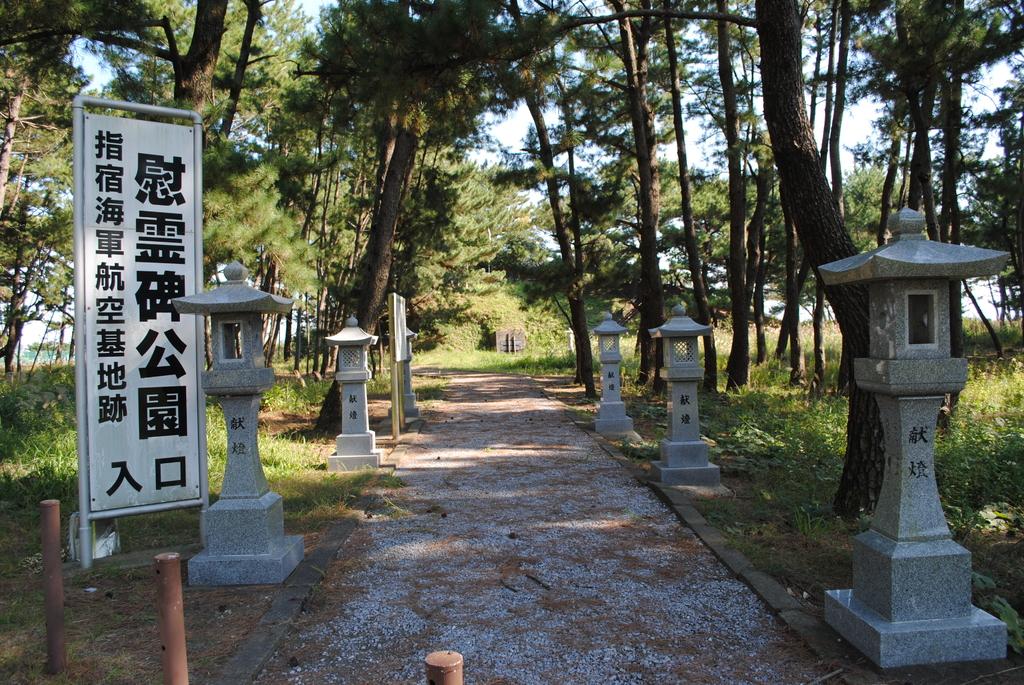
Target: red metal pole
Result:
[[444, 668], [53, 586], [171, 618]]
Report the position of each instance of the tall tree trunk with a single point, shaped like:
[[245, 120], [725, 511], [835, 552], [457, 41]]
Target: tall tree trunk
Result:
[[818, 376], [737, 368], [822, 235], [755, 252], [700, 290], [195, 82], [397, 153], [835, 159], [569, 246], [633, 52], [949, 220], [253, 14], [997, 344], [13, 116], [830, 78], [577, 306], [889, 184]]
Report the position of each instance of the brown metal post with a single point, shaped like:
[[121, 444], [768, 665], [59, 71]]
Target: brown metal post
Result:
[[171, 618], [444, 668], [53, 586]]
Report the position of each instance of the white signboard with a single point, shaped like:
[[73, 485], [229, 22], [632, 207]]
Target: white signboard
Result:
[[137, 252]]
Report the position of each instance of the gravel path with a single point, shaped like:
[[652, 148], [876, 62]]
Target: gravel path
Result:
[[519, 543]]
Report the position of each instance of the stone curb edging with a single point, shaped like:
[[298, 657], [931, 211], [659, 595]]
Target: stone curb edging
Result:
[[249, 658], [826, 644]]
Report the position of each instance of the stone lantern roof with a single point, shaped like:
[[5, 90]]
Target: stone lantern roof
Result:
[[233, 296], [680, 326], [608, 326], [909, 254], [351, 335]]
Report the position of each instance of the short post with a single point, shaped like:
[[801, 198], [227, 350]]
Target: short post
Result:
[[53, 586], [408, 396], [444, 668], [171, 618], [612, 420], [355, 446], [911, 597], [684, 455]]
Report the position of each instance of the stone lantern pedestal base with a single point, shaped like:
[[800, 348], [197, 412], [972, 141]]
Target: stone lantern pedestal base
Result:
[[354, 451], [246, 544], [613, 422], [911, 604], [685, 463], [975, 637]]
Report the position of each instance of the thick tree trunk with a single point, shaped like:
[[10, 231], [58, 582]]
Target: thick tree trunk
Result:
[[822, 235], [737, 368], [700, 290], [633, 52], [397, 154], [195, 82]]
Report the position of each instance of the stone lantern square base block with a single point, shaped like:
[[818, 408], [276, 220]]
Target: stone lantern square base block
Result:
[[975, 637], [246, 544], [612, 419], [354, 451], [911, 581], [705, 476], [685, 463]]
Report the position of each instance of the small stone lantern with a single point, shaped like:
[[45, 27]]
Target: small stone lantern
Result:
[[409, 408], [245, 540], [911, 596], [356, 446], [612, 420], [684, 455]]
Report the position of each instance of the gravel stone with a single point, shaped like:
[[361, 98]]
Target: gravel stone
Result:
[[598, 584]]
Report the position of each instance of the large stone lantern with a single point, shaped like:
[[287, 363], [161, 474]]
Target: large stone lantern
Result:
[[245, 540], [684, 455], [356, 446], [911, 596], [612, 420]]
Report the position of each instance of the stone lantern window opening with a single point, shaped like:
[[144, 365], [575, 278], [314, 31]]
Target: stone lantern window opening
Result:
[[231, 340], [683, 351], [609, 343], [350, 357], [921, 318]]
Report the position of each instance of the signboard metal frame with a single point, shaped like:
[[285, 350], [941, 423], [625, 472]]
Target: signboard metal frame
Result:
[[86, 516]]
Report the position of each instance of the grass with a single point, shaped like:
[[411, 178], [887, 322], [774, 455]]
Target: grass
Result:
[[109, 612]]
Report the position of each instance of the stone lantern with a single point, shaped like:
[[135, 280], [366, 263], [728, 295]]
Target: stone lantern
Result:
[[409, 408], [612, 420], [911, 596], [245, 540], [684, 456], [356, 446]]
